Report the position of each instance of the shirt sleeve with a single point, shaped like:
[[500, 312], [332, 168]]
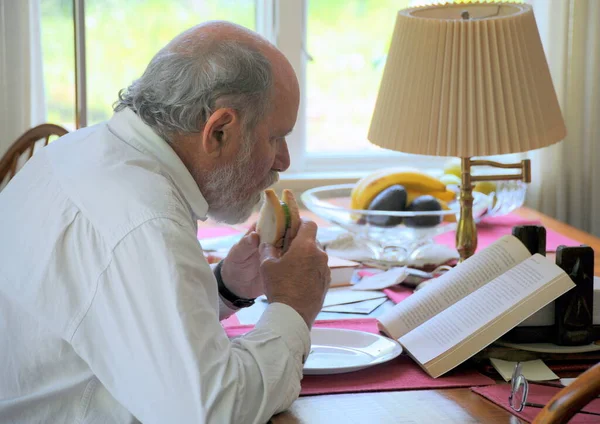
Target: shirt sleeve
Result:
[[153, 338]]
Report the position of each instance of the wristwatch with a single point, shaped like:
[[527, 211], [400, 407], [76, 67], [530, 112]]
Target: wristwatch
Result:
[[238, 302]]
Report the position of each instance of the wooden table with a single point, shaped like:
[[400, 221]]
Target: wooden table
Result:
[[418, 406]]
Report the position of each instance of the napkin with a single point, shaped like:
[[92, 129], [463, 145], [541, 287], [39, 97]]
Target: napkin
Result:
[[343, 295], [535, 370], [364, 307]]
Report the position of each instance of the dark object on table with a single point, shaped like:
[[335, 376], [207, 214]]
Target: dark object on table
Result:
[[573, 316], [574, 309], [425, 203], [393, 199], [533, 237]]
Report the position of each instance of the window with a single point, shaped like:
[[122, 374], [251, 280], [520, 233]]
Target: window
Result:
[[121, 38], [347, 41], [337, 47]]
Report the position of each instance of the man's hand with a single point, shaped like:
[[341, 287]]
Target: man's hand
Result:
[[300, 277], [241, 268]]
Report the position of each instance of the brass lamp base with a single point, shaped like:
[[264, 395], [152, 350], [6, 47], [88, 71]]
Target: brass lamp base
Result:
[[466, 231]]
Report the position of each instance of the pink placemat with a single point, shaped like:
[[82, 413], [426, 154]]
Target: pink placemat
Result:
[[210, 232], [498, 394], [399, 374], [231, 321], [398, 293], [490, 229]]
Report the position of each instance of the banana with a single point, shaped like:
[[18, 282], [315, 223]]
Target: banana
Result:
[[370, 186], [363, 183]]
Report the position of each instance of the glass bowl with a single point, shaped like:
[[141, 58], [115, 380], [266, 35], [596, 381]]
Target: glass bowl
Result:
[[509, 195], [395, 241]]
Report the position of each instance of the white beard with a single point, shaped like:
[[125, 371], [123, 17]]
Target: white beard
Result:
[[230, 191]]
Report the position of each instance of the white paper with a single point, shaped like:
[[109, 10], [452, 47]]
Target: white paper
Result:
[[566, 381], [365, 307], [382, 280], [343, 295], [221, 243], [535, 370]]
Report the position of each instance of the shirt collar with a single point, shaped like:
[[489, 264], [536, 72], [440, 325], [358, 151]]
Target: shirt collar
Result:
[[128, 126]]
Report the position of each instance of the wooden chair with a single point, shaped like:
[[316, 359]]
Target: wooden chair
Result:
[[27, 142], [566, 403]]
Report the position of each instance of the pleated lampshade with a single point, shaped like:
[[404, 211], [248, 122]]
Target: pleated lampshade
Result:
[[466, 80]]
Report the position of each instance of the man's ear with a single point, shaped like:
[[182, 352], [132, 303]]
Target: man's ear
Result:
[[220, 131]]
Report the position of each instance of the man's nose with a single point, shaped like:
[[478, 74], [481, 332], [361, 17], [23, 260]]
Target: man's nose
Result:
[[282, 159]]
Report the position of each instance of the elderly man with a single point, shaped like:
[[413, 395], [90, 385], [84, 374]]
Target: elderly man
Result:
[[109, 312]]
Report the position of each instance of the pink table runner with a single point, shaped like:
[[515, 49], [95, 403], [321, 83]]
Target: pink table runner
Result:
[[490, 229], [399, 374], [498, 394], [231, 321], [398, 294]]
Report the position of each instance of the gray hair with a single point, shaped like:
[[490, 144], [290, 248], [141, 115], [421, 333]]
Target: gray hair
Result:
[[180, 89]]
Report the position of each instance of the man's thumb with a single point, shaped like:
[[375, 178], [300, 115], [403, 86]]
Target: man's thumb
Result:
[[268, 251]]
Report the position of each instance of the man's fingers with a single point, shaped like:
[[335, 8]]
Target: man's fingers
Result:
[[308, 230], [252, 239], [251, 229], [245, 248]]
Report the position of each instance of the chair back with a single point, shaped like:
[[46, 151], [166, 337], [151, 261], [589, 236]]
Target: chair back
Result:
[[22, 149], [566, 403]]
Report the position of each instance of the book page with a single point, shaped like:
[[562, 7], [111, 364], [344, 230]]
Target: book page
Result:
[[457, 283], [489, 303], [499, 326]]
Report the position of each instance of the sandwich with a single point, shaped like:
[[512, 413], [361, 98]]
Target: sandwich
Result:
[[279, 220]]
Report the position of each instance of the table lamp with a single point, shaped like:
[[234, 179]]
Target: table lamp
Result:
[[467, 80]]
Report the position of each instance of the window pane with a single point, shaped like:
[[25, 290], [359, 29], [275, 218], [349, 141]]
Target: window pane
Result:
[[58, 61], [348, 41], [123, 35]]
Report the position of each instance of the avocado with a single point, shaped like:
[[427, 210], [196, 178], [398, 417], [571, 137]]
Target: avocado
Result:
[[424, 203], [392, 199]]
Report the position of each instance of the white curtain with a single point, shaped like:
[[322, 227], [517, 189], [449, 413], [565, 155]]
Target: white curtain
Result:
[[22, 103], [566, 176]]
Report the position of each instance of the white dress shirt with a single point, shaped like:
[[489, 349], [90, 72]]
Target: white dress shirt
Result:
[[109, 312]]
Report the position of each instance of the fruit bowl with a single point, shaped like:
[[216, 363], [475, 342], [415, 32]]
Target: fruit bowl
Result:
[[508, 196], [409, 230]]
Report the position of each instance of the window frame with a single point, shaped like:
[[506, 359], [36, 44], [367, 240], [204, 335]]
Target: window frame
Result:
[[278, 21], [284, 23]]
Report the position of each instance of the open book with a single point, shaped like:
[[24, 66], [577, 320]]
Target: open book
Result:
[[474, 304]]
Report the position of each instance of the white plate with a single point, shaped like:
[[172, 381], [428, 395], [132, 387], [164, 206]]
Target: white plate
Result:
[[549, 347], [336, 351]]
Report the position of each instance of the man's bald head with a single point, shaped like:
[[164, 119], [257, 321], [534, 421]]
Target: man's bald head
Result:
[[216, 31], [212, 65], [208, 34]]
